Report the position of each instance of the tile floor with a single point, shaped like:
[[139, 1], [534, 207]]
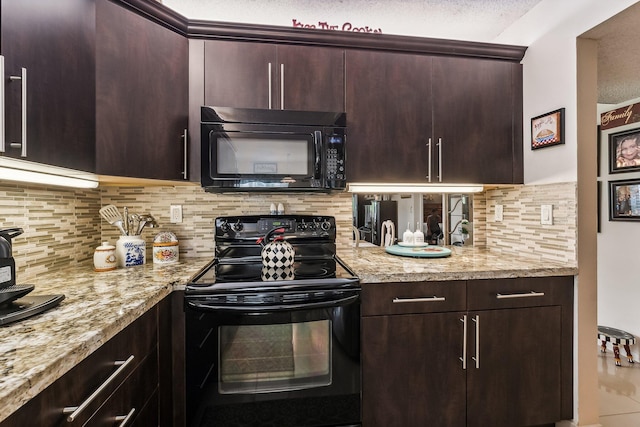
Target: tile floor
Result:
[[619, 388]]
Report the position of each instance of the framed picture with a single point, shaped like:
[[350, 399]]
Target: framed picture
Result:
[[624, 151], [547, 129], [624, 200]]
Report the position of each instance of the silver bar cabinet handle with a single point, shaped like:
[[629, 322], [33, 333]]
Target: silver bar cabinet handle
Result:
[[439, 144], [125, 418], [74, 411], [464, 342], [477, 356], [525, 295], [185, 142], [2, 124], [282, 86], [269, 83], [23, 78], [429, 164], [424, 299]]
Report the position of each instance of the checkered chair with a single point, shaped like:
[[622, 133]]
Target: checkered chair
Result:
[[616, 337]]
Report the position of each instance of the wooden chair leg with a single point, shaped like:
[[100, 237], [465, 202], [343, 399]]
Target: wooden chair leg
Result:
[[616, 354], [628, 351]]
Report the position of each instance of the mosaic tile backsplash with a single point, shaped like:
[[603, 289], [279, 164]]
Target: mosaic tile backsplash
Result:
[[63, 227]]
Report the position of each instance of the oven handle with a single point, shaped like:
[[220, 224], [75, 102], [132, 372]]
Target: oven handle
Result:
[[273, 308]]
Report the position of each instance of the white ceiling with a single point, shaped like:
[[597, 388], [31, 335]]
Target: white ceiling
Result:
[[491, 21]]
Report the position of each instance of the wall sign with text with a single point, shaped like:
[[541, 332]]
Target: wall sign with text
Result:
[[347, 26], [620, 116]]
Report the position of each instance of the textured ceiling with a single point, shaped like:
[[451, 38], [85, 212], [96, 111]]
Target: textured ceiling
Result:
[[474, 20]]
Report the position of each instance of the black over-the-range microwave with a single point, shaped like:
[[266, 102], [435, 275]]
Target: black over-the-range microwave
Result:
[[272, 150]]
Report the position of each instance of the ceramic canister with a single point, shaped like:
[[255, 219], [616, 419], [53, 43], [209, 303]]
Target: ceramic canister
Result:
[[165, 248], [130, 251], [104, 257]]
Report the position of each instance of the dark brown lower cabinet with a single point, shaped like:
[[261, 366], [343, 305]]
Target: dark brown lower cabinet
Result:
[[134, 391], [504, 361]]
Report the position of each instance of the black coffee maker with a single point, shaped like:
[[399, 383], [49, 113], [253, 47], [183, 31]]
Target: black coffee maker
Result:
[[11, 307], [8, 289]]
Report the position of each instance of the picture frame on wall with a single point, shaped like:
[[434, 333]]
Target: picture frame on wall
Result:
[[547, 129], [624, 200], [624, 151]]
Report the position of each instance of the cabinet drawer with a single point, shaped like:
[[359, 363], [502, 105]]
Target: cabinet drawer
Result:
[[412, 297], [46, 409], [518, 292], [130, 397]]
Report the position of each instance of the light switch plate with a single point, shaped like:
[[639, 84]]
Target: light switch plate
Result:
[[546, 214], [498, 213]]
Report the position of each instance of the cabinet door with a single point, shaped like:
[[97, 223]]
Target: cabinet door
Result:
[[54, 42], [142, 95], [517, 381], [388, 98], [310, 78], [477, 120], [411, 373], [239, 74]]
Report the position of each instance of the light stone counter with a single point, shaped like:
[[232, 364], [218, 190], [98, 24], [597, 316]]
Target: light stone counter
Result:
[[374, 265], [37, 351]]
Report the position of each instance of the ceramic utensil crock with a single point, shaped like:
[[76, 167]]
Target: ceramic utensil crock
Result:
[[130, 251]]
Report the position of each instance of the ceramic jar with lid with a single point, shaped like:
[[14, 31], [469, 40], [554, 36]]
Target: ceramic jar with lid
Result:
[[130, 251], [104, 257], [165, 248]]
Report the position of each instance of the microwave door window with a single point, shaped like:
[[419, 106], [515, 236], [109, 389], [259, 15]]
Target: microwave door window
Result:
[[240, 155]]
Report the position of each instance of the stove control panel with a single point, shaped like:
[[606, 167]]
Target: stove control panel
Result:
[[299, 226]]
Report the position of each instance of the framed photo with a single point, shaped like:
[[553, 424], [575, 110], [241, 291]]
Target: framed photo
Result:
[[624, 151], [624, 200], [547, 129]]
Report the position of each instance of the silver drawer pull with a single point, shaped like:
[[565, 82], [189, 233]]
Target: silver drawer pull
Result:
[[425, 299], [125, 418], [526, 295], [76, 410]]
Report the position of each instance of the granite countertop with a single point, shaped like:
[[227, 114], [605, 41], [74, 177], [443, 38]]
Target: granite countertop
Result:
[[37, 351], [374, 265]]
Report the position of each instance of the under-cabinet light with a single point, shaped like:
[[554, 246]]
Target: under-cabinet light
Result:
[[36, 173], [369, 188]]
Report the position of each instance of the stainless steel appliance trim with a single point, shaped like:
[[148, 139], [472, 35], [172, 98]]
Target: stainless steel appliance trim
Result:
[[463, 358], [185, 143], [23, 78], [423, 299], [125, 418], [476, 358], [74, 411], [525, 295], [2, 123]]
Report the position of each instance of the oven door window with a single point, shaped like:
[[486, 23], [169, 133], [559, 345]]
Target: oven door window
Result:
[[276, 357], [264, 155]]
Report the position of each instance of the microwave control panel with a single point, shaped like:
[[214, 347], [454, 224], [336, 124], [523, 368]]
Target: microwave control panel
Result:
[[335, 156]]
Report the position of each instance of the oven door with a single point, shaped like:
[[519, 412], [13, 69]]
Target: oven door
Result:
[[288, 365]]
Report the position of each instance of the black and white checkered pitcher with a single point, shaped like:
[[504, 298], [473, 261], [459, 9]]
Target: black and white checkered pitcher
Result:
[[277, 257]]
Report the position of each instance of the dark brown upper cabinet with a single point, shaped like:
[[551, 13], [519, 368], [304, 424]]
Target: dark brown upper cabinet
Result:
[[141, 96], [277, 76], [420, 118], [48, 50]]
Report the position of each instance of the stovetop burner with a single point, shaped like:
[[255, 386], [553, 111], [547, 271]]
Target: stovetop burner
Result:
[[238, 263]]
